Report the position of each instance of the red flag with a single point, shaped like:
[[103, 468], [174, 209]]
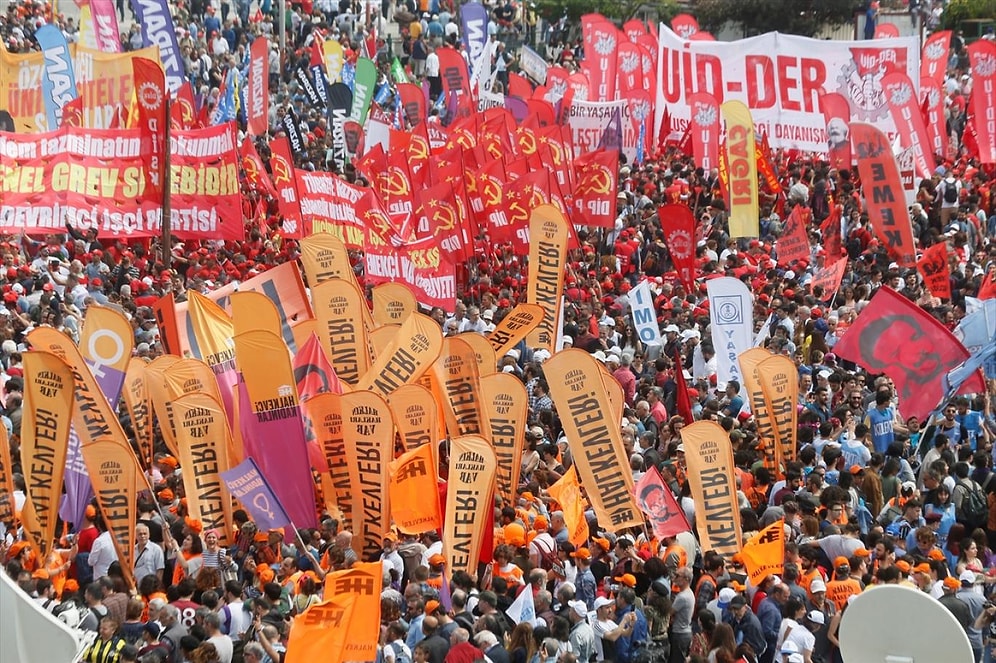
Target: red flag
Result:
[[282, 166], [684, 25], [595, 194], [885, 31], [988, 288], [658, 503], [793, 245], [665, 131], [519, 87], [933, 265], [830, 229], [905, 109], [541, 111], [837, 115], [682, 399], [829, 278], [884, 191], [678, 224], [982, 56], [413, 102], [183, 114], [892, 335], [150, 92], [313, 370], [601, 42], [453, 71], [932, 112], [629, 66], [934, 56], [72, 113], [257, 87], [317, 52], [704, 126], [253, 167]]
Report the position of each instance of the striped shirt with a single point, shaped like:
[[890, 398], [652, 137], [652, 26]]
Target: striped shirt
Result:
[[104, 651]]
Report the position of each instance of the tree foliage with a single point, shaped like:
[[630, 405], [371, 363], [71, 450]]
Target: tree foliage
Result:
[[963, 10], [754, 17], [616, 10]]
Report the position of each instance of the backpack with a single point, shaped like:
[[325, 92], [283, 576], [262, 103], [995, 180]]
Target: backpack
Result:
[[974, 509], [950, 191], [399, 654]]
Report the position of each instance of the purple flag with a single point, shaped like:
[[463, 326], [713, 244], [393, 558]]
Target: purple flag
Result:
[[247, 484], [474, 17], [79, 491], [276, 440], [158, 29]]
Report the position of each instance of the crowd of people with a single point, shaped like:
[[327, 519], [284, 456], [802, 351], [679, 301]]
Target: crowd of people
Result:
[[874, 498]]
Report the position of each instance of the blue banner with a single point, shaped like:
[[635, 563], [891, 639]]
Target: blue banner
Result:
[[248, 485], [58, 79], [474, 18], [159, 30]]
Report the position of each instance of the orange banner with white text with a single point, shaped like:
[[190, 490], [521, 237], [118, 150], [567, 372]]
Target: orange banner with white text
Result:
[[764, 553], [412, 489]]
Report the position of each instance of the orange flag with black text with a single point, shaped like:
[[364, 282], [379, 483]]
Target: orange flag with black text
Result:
[[764, 553], [368, 441], [548, 234], [583, 402], [363, 582], [321, 631], [487, 361], [47, 417], [138, 402], [339, 311], [567, 492], [416, 416], [393, 303], [324, 411], [416, 347], [771, 451], [506, 409], [779, 378], [515, 326], [254, 311], [116, 478], [203, 441], [710, 473], [469, 501], [325, 257], [456, 371], [412, 488], [6, 478]]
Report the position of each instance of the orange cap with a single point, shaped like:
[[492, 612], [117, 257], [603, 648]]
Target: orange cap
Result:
[[903, 566], [436, 560], [194, 525], [627, 579], [90, 511], [71, 586], [515, 535], [922, 567], [952, 583], [862, 552], [936, 554], [265, 574], [540, 524], [603, 544], [581, 553], [841, 562], [431, 607]]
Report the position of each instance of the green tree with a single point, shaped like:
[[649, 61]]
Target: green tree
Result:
[[754, 17], [611, 9], [963, 10]]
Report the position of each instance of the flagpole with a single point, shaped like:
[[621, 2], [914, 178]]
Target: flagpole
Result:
[[165, 178]]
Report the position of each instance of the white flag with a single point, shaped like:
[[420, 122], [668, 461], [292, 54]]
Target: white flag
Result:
[[522, 608], [731, 317], [641, 301], [29, 632]]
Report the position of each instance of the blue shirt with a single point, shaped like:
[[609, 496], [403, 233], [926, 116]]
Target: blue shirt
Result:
[[880, 424], [625, 644]]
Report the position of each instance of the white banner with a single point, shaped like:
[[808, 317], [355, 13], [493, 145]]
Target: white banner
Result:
[[533, 65], [641, 302], [731, 320], [780, 78], [588, 121]]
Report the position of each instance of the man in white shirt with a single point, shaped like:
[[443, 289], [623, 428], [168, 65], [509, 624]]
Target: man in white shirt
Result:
[[102, 554], [234, 618], [390, 556], [149, 558], [222, 643]]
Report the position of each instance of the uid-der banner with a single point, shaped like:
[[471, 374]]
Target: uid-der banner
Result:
[[548, 233], [705, 130], [731, 313], [934, 56], [883, 191], [506, 409], [582, 400], [933, 266], [47, 416], [982, 57], [933, 99], [92, 178], [600, 45], [710, 472], [202, 438], [904, 105], [641, 304], [780, 78], [368, 437], [469, 499], [764, 553], [742, 168], [892, 335], [158, 29]]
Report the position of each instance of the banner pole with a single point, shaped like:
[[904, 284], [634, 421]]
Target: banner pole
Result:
[[167, 178]]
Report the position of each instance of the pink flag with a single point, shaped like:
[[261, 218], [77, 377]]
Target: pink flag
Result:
[[658, 503], [105, 26], [257, 87]]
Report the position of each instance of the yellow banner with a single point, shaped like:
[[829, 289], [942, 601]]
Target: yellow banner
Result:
[[368, 437], [413, 485], [362, 582], [155, 383], [324, 411], [212, 328], [138, 401], [341, 329], [567, 492], [456, 371], [506, 409], [333, 60], [545, 286], [514, 327], [487, 361], [381, 339], [415, 415], [710, 472], [469, 499], [595, 439], [742, 168], [780, 383], [764, 554], [6, 478], [302, 331], [770, 449], [320, 632], [116, 477], [265, 364], [203, 440], [46, 419], [418, 344], [93, 416], [393, 303], [325, 257], [254, 311], [107, 343]]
